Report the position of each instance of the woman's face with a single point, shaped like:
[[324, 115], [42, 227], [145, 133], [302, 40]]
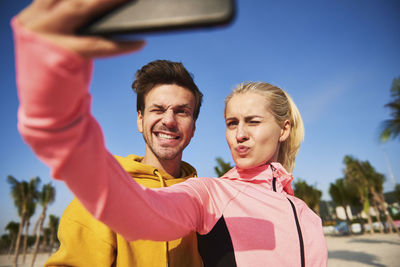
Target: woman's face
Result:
[[252, 133]]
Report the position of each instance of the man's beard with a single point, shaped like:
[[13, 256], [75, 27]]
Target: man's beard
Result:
[[163, 155]]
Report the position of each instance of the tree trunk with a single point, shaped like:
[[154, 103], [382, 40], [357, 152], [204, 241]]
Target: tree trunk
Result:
[[25, 240], [371, 226], [51, 245], [361, 220], [389, 219], [11, 246], [316, 209], [365, 204], [44, 243], [18, 241], [378, 217], [35, 251], [53, 236], [348, 221]]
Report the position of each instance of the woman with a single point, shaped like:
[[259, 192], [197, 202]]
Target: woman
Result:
[[249, 216]]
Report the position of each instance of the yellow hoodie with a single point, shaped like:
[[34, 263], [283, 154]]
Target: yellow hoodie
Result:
[[86, 241]]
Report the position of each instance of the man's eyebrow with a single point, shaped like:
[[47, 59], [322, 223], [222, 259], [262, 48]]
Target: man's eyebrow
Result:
[[185, 106], [156, 106]]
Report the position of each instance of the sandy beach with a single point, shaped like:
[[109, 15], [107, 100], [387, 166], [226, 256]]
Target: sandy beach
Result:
[[379, 250], [365, 250]]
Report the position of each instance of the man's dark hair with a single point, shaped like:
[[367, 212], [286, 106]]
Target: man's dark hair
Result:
[[164, 72]]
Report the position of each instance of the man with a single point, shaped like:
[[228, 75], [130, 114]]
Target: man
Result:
[[168, 103]]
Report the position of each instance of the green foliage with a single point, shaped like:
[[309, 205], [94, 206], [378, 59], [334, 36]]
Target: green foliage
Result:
[[12, 228], [308, 193], [222, 167], [363, 176], [391, 127], [343, 193], [5, 243], [24, 194], [47, 195], [53, 227], [53, 223]]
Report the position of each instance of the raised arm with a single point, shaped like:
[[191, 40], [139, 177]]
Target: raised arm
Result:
[[55, 120], [57, 22]]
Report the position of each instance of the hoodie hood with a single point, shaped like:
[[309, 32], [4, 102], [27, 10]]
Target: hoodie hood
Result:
[[148, 175], [264, 174]]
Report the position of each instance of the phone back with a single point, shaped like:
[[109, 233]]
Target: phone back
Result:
[[161, 15]]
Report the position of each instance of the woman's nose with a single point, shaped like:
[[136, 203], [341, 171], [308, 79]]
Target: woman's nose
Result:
[[241, 134]]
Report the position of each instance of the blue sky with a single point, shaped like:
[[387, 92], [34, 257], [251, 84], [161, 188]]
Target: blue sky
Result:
[[337, 59]]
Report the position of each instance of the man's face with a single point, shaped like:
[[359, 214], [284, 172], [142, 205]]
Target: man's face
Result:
[[167, 123]]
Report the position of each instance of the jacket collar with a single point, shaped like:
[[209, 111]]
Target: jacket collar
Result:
[[264, 174]]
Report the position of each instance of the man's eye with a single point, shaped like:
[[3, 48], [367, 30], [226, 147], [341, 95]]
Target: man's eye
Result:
[[254, 122], [157, 110], [183, 112]]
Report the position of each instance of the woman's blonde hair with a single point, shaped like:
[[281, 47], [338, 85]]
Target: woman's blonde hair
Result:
[[281, 105]]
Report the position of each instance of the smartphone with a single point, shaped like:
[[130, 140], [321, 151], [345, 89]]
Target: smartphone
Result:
[[149, 16]]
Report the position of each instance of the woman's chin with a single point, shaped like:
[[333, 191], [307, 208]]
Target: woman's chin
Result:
[[243, 164]]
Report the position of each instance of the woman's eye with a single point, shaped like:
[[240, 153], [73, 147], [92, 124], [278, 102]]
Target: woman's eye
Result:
[[231, 123]]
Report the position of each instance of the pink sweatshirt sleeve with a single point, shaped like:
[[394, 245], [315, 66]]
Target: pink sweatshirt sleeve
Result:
[[54, 118]]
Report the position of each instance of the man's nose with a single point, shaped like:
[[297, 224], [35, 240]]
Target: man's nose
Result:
[[169, 119]]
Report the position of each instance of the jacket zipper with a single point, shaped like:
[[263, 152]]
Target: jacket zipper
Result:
[[301, 242]]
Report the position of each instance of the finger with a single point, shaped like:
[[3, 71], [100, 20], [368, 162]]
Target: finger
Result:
[[63, 16], [107, 48], [92, 47]]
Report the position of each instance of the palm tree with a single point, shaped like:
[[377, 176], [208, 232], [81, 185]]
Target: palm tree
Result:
[[356, 177], [30, 212], [371, 181], [12, 228], [53, 226], [308, 193], [342, 194], [376, 188], [222, 167], [391, 127], [46, 197], [23, 193]]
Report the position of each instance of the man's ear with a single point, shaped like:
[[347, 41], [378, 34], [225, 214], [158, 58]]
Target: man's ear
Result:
[[194, 129], [285, 131], [139, 121]]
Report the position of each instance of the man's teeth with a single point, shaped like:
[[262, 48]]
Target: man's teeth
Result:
[[166, 136]]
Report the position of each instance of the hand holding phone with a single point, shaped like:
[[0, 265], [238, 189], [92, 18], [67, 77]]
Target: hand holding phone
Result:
[[57, 22]]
